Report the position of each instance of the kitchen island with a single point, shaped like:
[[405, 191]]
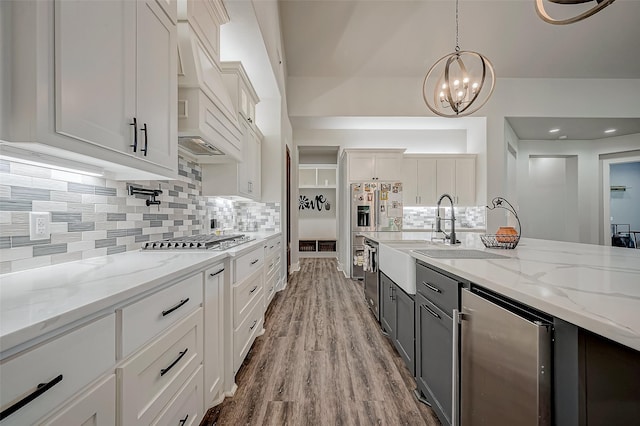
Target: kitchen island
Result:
[[586, 297], [594, 287]]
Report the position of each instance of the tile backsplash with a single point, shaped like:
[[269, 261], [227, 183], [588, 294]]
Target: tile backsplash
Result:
[[93, 216], [424, 217]]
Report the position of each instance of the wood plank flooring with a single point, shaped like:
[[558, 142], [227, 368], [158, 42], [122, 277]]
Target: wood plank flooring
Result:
[[322, 361]]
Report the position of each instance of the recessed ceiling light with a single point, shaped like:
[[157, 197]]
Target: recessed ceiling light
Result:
[[562, 137], [554, 130], [610, 130]]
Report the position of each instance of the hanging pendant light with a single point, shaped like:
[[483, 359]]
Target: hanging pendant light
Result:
[[459, 83], [598, 6]]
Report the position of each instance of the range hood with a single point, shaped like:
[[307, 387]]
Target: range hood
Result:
[[208, 127]]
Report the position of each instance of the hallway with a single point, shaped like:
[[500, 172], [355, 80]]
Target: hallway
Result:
[[322, 361]]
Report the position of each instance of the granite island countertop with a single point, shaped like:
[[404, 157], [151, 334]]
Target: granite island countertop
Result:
[[591, 286], [40, 301]]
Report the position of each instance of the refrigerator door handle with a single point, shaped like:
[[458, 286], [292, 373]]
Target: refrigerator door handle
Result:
[[376, 196]]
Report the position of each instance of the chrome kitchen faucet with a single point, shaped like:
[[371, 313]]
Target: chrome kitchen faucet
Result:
[[452, 236]]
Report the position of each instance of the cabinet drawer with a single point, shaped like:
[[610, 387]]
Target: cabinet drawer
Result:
[[186, 407], [143, 320], [150, 379], [248, 263], [273, 246], [270, 266], [438, 288], [66, 364], [245, 296], [245, 334], [93, 407]]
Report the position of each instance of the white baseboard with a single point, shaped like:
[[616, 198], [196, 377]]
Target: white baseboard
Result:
[[295, 267], [233, 390], [345, 271]]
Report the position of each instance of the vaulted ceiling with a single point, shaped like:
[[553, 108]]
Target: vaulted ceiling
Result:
[[360, 39], [403, 38]]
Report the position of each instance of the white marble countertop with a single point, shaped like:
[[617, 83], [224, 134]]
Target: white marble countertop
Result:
[[594, 287], [36, 302]]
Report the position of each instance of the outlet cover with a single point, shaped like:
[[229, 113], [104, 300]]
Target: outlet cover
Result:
[[39, 226]]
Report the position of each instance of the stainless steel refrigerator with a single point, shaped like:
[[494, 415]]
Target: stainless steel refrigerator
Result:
[[375, 207]]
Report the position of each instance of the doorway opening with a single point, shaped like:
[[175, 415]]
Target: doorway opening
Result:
[[621, 201]]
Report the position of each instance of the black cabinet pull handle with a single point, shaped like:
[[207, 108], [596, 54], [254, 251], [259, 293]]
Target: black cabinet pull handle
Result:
[[253, 325], [146, 139], [255, 261], [272, 247], [135, 134], [435, 314], [166, 370], [213, 274], [431, 287], [40, 389], [253, 289], [183, 421], [168, 311]]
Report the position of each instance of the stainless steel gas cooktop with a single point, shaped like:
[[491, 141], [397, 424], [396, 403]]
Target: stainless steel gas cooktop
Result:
[[200, 242]]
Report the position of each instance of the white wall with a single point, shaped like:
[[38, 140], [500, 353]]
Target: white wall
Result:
[[588, 175], [550, 209], [511, 98]]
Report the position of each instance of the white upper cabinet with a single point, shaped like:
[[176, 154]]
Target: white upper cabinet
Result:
[[384, 165], [92, 70], [419, 181], [249, 170], [426, 177], [205, 17], [457, 177], [237, 179], [157, 98], [85, 109], [241, 90]]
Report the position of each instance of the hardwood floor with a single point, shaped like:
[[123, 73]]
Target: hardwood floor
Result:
[[322, 361]]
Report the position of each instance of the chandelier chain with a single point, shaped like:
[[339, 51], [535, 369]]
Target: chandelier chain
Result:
[[457, 43]]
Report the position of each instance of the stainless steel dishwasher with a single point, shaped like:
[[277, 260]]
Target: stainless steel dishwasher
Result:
[[371, 285], [505, 362]]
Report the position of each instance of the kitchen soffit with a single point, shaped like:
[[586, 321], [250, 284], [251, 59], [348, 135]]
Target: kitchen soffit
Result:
[[537, 128]]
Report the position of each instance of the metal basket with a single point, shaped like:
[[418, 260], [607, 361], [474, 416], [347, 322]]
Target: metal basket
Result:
[[502, 241]]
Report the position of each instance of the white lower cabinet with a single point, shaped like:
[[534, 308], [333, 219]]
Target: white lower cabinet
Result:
[[213, 335], [272, 267], [185, 409], [245, 295], [64, 365], [245, 334], [94, 407], [151, 377], [144, 319]]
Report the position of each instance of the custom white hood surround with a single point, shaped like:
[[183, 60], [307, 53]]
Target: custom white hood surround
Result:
[[208, 125]]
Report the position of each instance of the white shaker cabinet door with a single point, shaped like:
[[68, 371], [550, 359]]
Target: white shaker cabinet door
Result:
[[361, 167], [466, 181], [156, 85], [446, 177], [95, 63], [427, 193], [409, 179], [388, 166], [95, 407]]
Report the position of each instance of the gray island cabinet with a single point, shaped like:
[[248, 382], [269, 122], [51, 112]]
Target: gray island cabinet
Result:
[[485, 359], [396, 319]]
